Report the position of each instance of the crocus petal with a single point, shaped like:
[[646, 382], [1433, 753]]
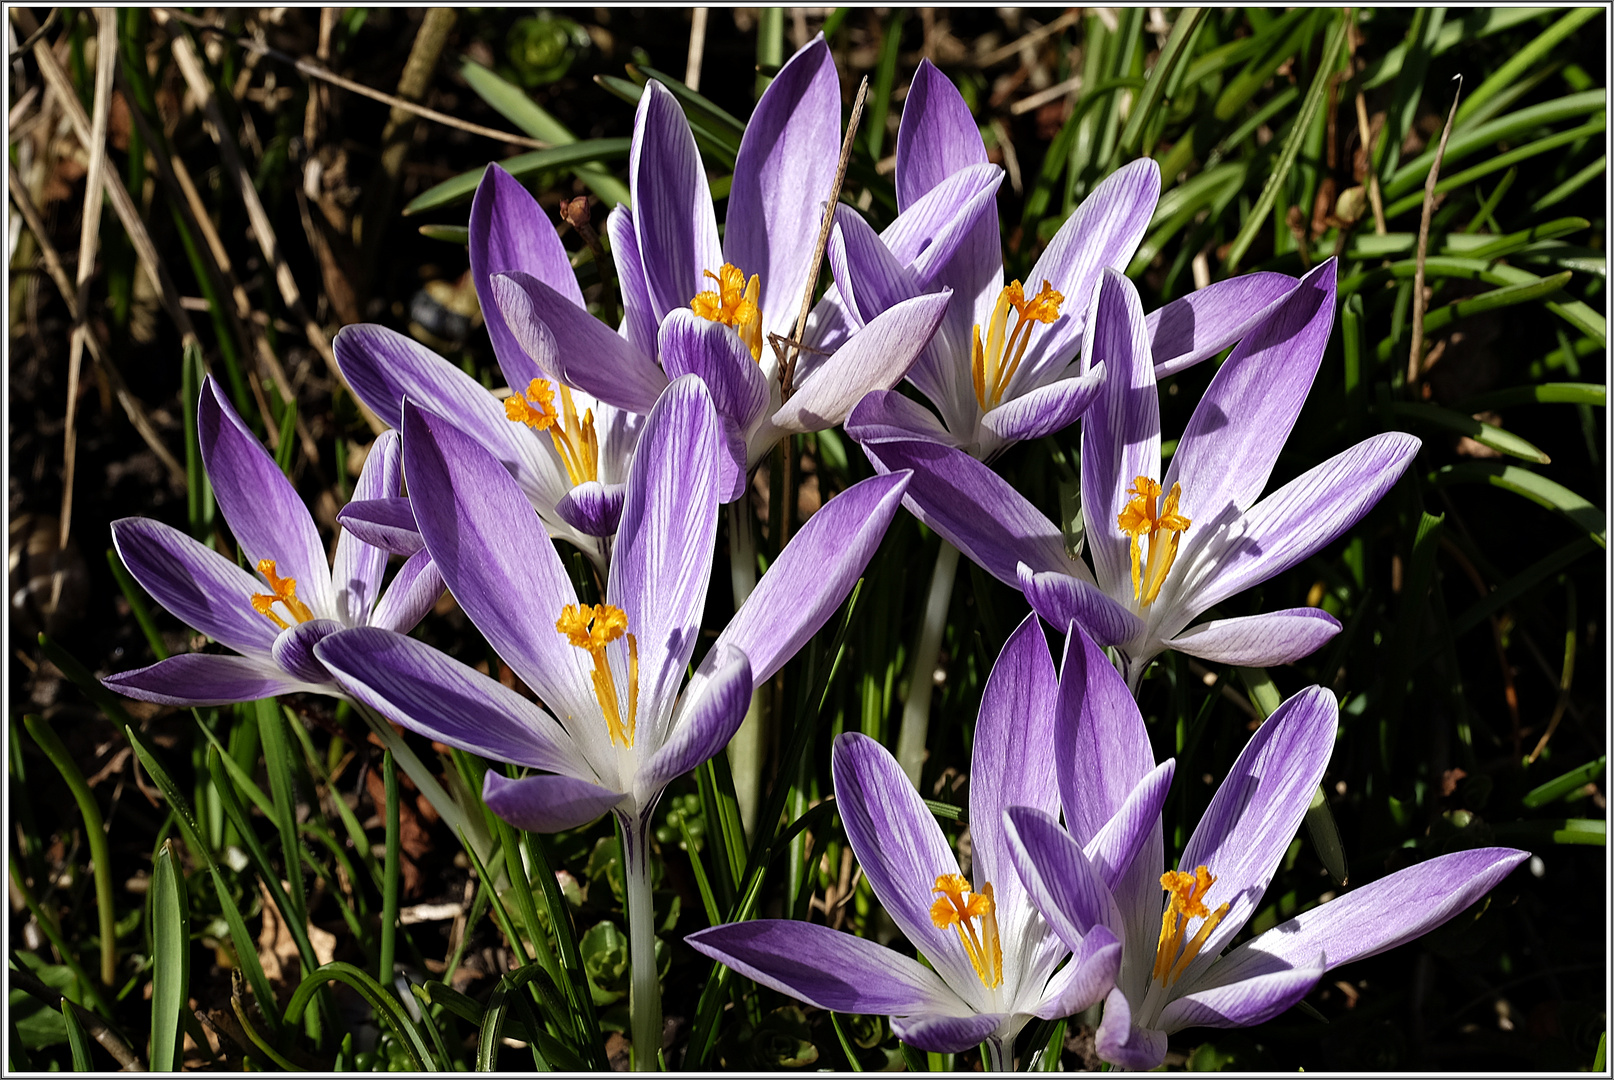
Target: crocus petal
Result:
[[639, 317], [884, 415], [574, 346], [509, 231], [1376, 917], [1273, 637], [202, 588], [1295, 521], [827, 968], [937, 136], [1120, 430], [1198, 326], [546, 803], [1230, 444], [1099, 738], [1254, 814], [431, 693], [813, 574], [1085, 980], [899, 846], [707, 719], [869, 276], [1058, 877], [945, 1034], [943, 217], [672, 204], [975, 509], [663, 556], [715, 354], [1011, 765], [876, 358], [294, 649], [1119, 1043], [198, 679], [388, 524], [483, 535], [782, 176], [1063, 599], [265, 513], [1115, 846], [1252, 1000], [592, 508], [412, 593], [357, 567], [1045, 410]]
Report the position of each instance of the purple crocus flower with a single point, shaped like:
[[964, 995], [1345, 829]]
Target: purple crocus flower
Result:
[[272, 618], [613, 729], [1166, 548], [1173, 972], [1007, 363], [992, 958], [698, 306]]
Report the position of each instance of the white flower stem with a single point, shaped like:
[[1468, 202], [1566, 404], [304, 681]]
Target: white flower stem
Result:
[[644, 1002], [999, 1054], [747, 748], [921, 675]]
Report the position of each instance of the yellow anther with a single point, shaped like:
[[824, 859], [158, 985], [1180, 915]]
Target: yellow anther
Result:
[[734, 304], [574, 437], [284, 592], [1139, 520], [591, 627], [957, 906], [993, 364], [1187, 901]]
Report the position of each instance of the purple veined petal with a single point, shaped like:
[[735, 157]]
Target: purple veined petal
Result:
[[1254, 814], [1045, 410], [357, 568], [1295, 521], [876, 358], [1099, 739], [1085, 980], [483, 535], [1062, 598], [870, 278], [663, 557], [937, 136], [412, 593], [639, 317], [1114, 848], [592, 508], [1230, 444], [388, 524], [815, 572], [691, 345], [200, 587], [975, 509], [574, 346], [1057, 876], [899, 846], [707, 718], [510, 231], [827, 968], [1264, 640], [1011, 765], [431, 693], [782, 176], [547, 803], [264, 511], [294, 650], [884, 415], [944, 216], [1254, 999], [1102, 234], [1374, 918], [1120, 430], [1119, 1043], [200, 679], [943, 1034], [672, 204], [1198, 326]]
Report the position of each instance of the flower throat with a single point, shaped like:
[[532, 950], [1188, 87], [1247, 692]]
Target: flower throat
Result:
[[1163, 529], [591, 627], [1187, 901], [959, 907], [283, 592], [994, 364], [574, 437]]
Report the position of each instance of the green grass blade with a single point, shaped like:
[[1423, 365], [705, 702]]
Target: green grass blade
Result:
[[1573, 780], [1572, 185], [1538, 489], [1485, 434], [137, 604], [393, 869], [385, 1005], [78, 1040], [1183, 30], [885, 74], [1505, 160], [461, 188], [1422, 36], [171, 964], [1519, 64], [1562, 393], [1531, 834], [277, 758]]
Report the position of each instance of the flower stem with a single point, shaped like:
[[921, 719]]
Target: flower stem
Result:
[[746, 748], [916, 711], [644, 1001], [999, 1054]]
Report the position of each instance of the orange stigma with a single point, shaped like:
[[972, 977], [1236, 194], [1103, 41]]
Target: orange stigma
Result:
[[1140, 520], [958, 906], [574, 437], [735, 304], [1187, 901], [994, 364], [284, 593], [591, 627]]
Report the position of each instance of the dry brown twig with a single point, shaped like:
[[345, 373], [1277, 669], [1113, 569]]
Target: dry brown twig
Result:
[[1418, 301]]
